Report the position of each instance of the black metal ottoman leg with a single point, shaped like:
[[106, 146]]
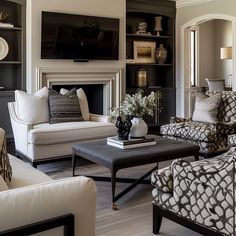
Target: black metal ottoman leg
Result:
[[157, 219], [113, 189], [196, 157], [73, 164]]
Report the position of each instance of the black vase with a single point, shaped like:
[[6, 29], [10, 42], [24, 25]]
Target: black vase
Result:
[[123, 127]]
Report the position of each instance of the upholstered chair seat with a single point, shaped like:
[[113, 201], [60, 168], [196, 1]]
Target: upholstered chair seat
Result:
[[210, 131]]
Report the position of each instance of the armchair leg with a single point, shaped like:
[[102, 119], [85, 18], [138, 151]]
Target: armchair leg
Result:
[[157, 219]]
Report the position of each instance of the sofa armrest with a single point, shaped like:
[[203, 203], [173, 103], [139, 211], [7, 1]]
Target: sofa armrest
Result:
[[214, 175], [99, 118], [176, 119], [23, 206], [163, 179], [20, 129], [226, 128]]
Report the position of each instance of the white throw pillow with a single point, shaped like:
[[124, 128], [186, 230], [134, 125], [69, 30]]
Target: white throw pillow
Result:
[[33, 108], [207, 108], [83, 102]]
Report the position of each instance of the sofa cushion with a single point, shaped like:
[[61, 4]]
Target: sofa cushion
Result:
[[69, 131], [207, 108], [32, 108], [5, 167], [24, 174], [227, 106], [83, 102], [193, 130], [64, 108], [3, 184]]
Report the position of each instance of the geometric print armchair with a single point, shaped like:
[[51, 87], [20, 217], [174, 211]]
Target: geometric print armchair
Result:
[[211, 137], [199, 195]]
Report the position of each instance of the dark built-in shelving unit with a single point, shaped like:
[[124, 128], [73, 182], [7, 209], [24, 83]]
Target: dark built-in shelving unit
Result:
[[12, 67], [159, 76]]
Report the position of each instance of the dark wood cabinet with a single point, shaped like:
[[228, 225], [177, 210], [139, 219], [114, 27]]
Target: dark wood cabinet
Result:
[[159, 76], [12, 67]]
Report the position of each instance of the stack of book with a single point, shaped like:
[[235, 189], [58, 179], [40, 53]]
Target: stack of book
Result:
[[6, 25], [130, 143]]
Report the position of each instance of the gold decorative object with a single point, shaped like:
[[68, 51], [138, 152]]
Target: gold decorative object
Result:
[[3, 16], [141, 78]]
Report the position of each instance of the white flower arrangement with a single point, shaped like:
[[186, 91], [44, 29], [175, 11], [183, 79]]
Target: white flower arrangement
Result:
[[138, 105]]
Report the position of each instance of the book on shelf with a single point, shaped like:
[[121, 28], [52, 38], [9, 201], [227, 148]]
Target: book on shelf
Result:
[[130, 143], [7, 25]]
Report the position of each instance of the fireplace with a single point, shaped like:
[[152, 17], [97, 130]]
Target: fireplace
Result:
[[102, 86]]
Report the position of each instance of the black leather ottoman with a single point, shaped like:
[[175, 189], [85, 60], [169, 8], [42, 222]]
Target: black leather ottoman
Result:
[[115, 159]]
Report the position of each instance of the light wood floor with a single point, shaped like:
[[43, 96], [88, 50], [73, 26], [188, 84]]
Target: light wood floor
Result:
[[134, 217]]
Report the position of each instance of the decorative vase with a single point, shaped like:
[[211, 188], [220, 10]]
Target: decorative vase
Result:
[[139, 128], [161, 54], [158, 26], [123, 127]]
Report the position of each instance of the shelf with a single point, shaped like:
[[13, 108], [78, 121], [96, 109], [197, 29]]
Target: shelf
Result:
[[149, 88], [10, 62], [148, 36], [10, 28], [148, 64]]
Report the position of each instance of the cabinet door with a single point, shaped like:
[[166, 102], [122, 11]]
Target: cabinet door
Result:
[[168, 104], [5, 123]]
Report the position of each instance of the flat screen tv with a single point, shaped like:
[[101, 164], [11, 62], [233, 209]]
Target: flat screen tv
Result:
[[79, 37]]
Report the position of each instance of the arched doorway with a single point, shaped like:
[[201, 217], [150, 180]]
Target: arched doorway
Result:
[[186, 90]]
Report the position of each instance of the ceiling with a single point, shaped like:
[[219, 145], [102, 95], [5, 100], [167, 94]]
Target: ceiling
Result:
[[183, 3]]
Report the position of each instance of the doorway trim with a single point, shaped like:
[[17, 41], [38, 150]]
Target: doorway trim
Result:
[[194, 22]]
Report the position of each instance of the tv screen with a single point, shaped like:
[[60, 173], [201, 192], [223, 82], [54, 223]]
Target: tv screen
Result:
[[69, 36]]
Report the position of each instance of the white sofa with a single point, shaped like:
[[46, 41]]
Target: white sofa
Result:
[[32, 196], [41, 141]]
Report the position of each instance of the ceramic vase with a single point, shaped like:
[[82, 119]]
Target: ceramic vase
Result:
[[158, 26], [139, 128], [161, 54]]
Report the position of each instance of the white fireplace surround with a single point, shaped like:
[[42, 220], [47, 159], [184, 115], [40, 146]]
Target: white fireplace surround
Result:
[[109, 78]]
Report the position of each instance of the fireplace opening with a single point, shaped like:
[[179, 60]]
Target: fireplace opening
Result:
[[94, 93]]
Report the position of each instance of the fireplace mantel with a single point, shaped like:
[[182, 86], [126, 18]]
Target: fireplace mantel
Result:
[[109, 78]]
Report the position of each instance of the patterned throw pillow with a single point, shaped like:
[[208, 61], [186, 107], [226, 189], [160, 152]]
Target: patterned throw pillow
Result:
[[5, 167], [64, 108], [207, 108]]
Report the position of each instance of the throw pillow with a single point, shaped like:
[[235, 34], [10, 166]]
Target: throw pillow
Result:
[[83, 102], [64, 108], [5, 167], [32, 108], [207, 108]]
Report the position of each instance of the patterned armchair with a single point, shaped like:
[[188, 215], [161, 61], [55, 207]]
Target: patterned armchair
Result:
[[211, 137], [199, 195]]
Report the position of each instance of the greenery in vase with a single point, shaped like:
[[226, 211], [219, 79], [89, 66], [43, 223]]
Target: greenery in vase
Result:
[[138, 105]]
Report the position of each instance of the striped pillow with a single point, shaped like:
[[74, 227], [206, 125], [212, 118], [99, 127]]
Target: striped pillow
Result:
[[64, 108]]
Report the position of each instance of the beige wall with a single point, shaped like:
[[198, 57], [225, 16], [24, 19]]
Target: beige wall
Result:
[[223, 37], [104, 8], [222, 9], [207, 52], [213, 35]]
